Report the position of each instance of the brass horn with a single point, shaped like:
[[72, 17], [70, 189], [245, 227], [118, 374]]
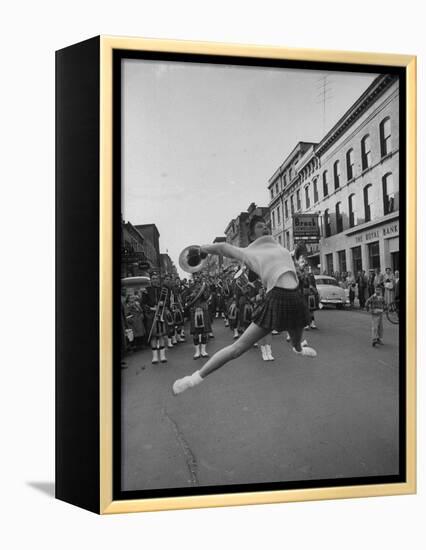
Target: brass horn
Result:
[[191, 259]]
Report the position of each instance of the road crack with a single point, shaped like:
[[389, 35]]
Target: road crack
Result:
[[190, 460]]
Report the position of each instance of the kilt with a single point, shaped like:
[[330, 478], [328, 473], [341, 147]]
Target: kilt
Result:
[[283, 309], [206, 320], [159, 328]]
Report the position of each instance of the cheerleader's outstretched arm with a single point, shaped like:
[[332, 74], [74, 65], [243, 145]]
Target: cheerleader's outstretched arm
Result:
[[224, 249]]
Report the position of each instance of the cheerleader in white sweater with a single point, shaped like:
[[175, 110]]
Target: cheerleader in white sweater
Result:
[[284, 307]]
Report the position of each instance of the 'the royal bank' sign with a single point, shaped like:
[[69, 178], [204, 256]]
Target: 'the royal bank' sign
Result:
[[305, 225]]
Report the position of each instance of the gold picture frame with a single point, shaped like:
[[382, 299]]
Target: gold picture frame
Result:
[[107, 46]]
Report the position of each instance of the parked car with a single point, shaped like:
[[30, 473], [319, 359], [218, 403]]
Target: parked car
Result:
[[330, 293]]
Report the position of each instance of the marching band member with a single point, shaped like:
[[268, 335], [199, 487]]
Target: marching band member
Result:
[[199, 318], [178, 314], [169, 317], [308, 286], [232, 316], [154, 300], [283, 309], [265, 342]]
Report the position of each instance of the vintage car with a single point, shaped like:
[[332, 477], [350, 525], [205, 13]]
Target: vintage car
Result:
[[330, 293]]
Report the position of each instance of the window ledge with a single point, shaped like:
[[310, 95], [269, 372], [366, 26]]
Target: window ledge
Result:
[[386, 157]]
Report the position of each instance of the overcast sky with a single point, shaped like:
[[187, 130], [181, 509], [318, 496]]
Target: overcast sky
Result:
[[200, 141]]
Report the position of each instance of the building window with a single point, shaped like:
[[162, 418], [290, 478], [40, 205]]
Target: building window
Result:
[[388, 194], [287, 238], [336, 170], [276, 189], [385, 137], [329, 263], [286, 209], [365, 152], [374, 255], [325, 183], [278, 216], [307, 199], [290, 173], [339, 218], [272, 192], [292, 204], [327, 224], [280, 240], [341, 254], [273, 219], [352, 211], [285, 180], [350, 164], [367, 203], [356, 259], [298, 201], [315, 191]]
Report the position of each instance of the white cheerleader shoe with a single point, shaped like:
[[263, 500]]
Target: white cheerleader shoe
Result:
[[186, 382], [269, 353], [263, 350], [307, 351]]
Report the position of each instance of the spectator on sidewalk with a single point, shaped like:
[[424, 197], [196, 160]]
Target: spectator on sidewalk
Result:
[[370, 282], [350, 280], [376, 304], [378, 279], [361, 282], [135, 319], [389, 283]]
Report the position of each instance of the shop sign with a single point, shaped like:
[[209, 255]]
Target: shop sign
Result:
[[390, 230], [305, 225]]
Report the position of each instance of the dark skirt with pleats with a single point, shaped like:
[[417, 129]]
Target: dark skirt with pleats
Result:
[[283, 309]]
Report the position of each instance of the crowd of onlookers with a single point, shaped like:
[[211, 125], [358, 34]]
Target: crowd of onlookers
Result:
[[362, 285]]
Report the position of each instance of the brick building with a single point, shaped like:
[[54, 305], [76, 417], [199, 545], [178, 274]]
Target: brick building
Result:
[[351, 180]]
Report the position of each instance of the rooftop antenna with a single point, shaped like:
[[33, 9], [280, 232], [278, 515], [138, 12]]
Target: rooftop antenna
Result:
[[324, 94]]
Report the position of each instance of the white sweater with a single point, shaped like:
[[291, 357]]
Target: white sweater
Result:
[[268, 259]]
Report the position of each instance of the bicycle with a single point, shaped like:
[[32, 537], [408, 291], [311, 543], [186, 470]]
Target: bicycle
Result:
[[392, 313]]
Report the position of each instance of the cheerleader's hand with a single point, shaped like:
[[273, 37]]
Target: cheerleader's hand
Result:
[[203, 253]]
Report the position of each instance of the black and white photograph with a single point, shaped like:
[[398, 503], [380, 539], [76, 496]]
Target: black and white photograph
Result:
[[259, 275]]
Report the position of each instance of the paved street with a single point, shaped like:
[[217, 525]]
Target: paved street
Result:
[[252, 421]]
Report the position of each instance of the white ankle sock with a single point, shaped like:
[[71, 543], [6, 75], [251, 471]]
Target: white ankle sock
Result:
[[196, 378]]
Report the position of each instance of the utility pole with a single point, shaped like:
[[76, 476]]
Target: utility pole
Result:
[[324, 94]]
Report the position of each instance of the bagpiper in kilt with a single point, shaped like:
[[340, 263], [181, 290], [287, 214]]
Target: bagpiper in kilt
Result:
[[153, 301], [200, 325]]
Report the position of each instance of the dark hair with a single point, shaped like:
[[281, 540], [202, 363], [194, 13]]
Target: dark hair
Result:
[[253, 222]]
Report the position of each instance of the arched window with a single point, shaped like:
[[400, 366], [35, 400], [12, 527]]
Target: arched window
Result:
[[365, 152], [327, 224], [385, 137], [388, 194], [307, 198], [350, 164], [336, 170], [339, 218], [298, 201], [315, 190], [352, 210], [325, 183], [367, 202]]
